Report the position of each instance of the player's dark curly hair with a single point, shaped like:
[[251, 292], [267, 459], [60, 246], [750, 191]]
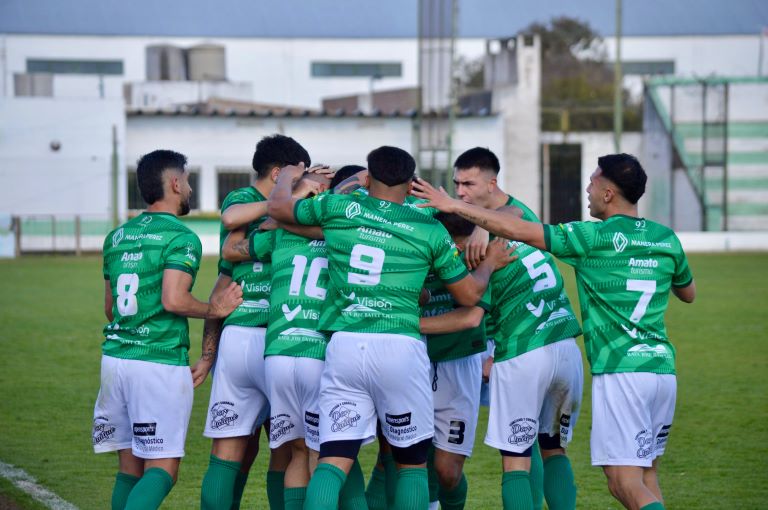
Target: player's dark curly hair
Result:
[[150, 169], [625, 171], [479, 157], [391, 165], [344, 173], [280, 151], [455, 224]]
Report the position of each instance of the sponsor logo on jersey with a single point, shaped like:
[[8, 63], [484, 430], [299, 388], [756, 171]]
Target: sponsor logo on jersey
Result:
[[644, 440], [343, 416], [117, 237], [256, 287], [561, 313], [144, 429], [400, 425], [290, 314], [536, 310], [279, 426], [311, 419], [565, 425], [352, 210], [620, 242], [223, 415], [633, 262], [646, 351], [136, 237], [102, 430], [372, 234], [131, 257], [522, 432], [258, 267], [366, 305], [190, 255], [259, 304], [146, 220], [651, 244], [398, 420], [309, 333]]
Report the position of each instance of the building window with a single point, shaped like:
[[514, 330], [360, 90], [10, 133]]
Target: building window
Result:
[[650, 67], [230, 179], [356, 69], [74, 66], [136, 203]]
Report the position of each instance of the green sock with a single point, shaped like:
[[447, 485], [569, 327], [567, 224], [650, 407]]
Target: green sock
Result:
[[412, 489], [275, 480], [123, 485], [150, 490], [375, 493], [237, 493], [218, 484], [516, 490], [559, 486], [537, 477], [390, 478], [352, 495], [455, 499], [432, 481], [294, 498], [324, 487], [656, 505]]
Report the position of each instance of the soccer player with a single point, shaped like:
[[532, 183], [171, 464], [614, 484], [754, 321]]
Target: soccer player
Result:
[[456, 339], [239, 400], [536, 354], [379, 253], [475, 176], [145, 399], [625, 268]]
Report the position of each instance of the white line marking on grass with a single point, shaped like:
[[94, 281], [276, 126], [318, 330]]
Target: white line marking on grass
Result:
[[28, 484]]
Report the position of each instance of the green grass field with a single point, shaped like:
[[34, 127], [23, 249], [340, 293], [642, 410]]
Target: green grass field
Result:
[[50, 335]]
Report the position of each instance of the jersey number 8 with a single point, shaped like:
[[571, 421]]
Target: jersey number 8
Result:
[[127, 287]]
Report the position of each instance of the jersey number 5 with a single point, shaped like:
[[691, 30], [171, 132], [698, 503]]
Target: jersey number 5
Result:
[[127, 287], [548, 281]]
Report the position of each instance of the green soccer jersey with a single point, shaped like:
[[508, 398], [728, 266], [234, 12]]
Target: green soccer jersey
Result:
[[528, 215], [379, 254], [450, 346], [299, 288], [625, 268], [410, 201], [529, 306], [253, 277], [135, 257]]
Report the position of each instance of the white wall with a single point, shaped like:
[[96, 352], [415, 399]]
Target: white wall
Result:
[[76, 179]]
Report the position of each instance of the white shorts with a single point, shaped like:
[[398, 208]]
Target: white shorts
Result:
[[538, 392], [238, 402], [293, 385], [456, 394], [371, 376], [143, 406], [631, 417]]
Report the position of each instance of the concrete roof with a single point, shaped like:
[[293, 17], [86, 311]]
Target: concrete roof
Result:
[[367, 18]]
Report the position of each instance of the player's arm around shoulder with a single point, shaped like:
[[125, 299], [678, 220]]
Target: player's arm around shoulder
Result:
[[469, 290], [458, 319], [281, 200]]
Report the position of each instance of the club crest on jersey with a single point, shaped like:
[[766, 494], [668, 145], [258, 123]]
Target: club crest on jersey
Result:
[[619, 242], [352, 210], [117, 237]]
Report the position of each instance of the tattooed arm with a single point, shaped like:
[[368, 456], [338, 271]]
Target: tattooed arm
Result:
[[235, 247], [211, 334]]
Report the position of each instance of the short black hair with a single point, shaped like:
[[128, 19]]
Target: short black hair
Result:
[[480, 157], [456, 225], [345, 172], [391, 165], [625, 171], [150, 169], [280, 151]]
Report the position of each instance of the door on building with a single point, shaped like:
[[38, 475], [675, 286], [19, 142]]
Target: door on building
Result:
[[561, 169]]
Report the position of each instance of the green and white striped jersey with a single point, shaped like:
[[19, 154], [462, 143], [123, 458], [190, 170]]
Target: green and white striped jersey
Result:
[[135, 256], [625, 268], [379, 254]]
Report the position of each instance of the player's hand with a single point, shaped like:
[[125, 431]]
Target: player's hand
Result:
[[295, 171], [224, 302], [439, 199], [500, 253], [487, 364], [322, 170], [269, 224], [200, 371], [307, 187], [475, 247]]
